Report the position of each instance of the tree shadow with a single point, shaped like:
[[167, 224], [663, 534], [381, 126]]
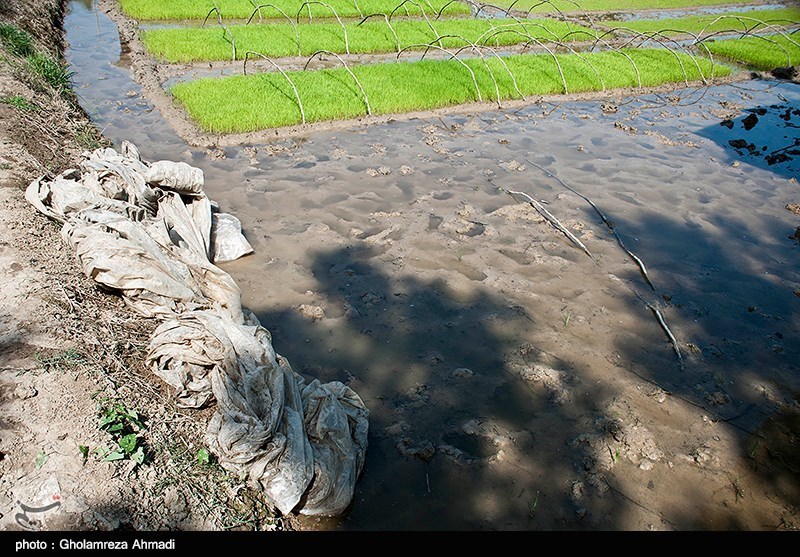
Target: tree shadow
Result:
[[731, 289], [459, 440], [462, 439]]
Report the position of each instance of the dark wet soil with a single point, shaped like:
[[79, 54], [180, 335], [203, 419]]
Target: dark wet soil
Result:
[[514, 381]]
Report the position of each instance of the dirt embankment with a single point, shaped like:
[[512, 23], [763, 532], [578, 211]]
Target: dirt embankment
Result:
[[71, 354]]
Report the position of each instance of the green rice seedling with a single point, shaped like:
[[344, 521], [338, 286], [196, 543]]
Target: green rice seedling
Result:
[[754, 20], [149, 10], [246, 103], [761, 53], [192, 44], [578, 6]]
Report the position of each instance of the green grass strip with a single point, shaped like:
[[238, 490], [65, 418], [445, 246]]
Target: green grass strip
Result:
[[750, 20], [577, 6], [762, 53], [267, 100], [160, 10], [373, 36]]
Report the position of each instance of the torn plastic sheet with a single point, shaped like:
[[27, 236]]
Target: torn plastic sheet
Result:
[[149, 232]]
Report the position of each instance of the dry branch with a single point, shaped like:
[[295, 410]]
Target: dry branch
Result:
[[547, 215]]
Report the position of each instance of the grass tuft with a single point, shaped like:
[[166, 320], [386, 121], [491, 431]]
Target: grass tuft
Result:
[[20, 103], [17, 41], [53, 72]]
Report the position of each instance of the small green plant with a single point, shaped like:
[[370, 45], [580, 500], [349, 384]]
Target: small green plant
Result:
[[737, 488], [84, 450], [124, 425], [203, 457], [65, 360], [19, 102], [51, 71], [533, 503], [754, 446], [566, 315], [88, 138], [16, 40], [41, 458]]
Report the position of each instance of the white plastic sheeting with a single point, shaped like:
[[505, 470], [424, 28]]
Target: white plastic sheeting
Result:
[[149, 232]]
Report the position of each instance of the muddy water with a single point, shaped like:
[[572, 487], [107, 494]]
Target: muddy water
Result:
[[498, 360]]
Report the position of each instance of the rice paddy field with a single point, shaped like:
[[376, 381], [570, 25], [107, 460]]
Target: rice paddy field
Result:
[[269, 100], [377, 35], [728, 22], [154, 10], [484, 58], [760, 52], [552, 246]]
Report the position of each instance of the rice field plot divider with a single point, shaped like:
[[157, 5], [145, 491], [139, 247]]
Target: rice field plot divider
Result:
[[482, 6]]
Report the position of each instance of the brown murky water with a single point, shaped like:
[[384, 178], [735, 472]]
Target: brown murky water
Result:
[[515, 382]]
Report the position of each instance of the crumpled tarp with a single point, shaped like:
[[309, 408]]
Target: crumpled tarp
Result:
[[149, 232]]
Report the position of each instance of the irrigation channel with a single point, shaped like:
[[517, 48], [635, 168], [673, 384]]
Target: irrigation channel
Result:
[[641, 373]]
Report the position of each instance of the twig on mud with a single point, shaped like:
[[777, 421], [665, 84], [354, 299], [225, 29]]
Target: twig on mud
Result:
[[607, 222], [20, 370], [546, 214], [619, 492], [64, 292], [663, 324]]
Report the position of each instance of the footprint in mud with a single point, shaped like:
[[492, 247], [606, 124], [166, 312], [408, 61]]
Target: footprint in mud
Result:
[[555, 382], [613, 440], [478, 441]]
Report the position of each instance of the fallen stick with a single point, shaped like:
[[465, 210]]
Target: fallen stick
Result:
[[607, 222], [553, 220], [663, 324]]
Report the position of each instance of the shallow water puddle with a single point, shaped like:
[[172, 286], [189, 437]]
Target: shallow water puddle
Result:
[[515, 382]]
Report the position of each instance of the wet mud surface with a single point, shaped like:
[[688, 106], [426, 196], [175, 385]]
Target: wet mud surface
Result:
[[515, 382]]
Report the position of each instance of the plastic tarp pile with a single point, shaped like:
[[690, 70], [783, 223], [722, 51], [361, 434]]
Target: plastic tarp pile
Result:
[[149, 232]]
